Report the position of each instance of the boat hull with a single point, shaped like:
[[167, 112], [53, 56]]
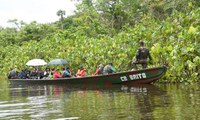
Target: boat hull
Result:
[[145, 76]]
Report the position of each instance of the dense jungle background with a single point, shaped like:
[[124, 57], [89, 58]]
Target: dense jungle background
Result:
[[103, 31]]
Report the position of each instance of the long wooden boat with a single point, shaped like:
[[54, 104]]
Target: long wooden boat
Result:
[[145, 76]]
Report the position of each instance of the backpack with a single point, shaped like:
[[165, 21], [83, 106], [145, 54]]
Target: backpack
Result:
[[142, 53]]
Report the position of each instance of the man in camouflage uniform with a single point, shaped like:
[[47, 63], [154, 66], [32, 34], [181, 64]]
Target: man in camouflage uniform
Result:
[[141, 56]]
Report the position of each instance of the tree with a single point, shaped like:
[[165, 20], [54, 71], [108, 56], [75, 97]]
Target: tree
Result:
[[61, 13], [112, 14], [35, 31], [18, 24]]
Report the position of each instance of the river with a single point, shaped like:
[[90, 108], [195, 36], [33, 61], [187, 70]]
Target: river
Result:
[[90, 102]]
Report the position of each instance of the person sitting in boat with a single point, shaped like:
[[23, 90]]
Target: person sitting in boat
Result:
[[99, 70], [13, 74], [51, 73], [47, 73], [142, 55], [53, 70], [28, 73], [24, 74], [66, 72], [108, 69], [56, 74], [69, 71], [81, 72], [34, 73], [40, 74]]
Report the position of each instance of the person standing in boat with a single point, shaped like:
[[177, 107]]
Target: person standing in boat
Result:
[[108, 69], [142, 55], [99, 70]]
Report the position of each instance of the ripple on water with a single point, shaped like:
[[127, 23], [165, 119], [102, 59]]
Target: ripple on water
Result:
[[34, 107], [68, 118]]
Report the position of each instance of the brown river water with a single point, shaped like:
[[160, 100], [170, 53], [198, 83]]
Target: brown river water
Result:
[[92, 102]]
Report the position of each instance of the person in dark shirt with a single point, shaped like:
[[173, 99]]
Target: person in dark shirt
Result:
[[13, 74], [24, 74], [142, 55]]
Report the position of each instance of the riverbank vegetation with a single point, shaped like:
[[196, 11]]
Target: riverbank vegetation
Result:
[[103, 31]]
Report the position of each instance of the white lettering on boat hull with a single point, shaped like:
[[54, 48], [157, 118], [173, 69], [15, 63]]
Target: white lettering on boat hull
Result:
[[134, 77], [124, 78]]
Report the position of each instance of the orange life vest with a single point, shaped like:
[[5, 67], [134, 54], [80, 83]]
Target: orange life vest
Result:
[[81, 72]]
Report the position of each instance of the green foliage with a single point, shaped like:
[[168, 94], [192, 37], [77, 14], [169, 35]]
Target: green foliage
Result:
[[35, 31], [8, 36], [105, 31]]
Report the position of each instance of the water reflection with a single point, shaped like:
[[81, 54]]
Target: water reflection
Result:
[[85, 102], [41, 90], [135, 102]]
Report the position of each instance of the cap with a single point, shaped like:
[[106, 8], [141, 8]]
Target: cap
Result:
[[141, 43]]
